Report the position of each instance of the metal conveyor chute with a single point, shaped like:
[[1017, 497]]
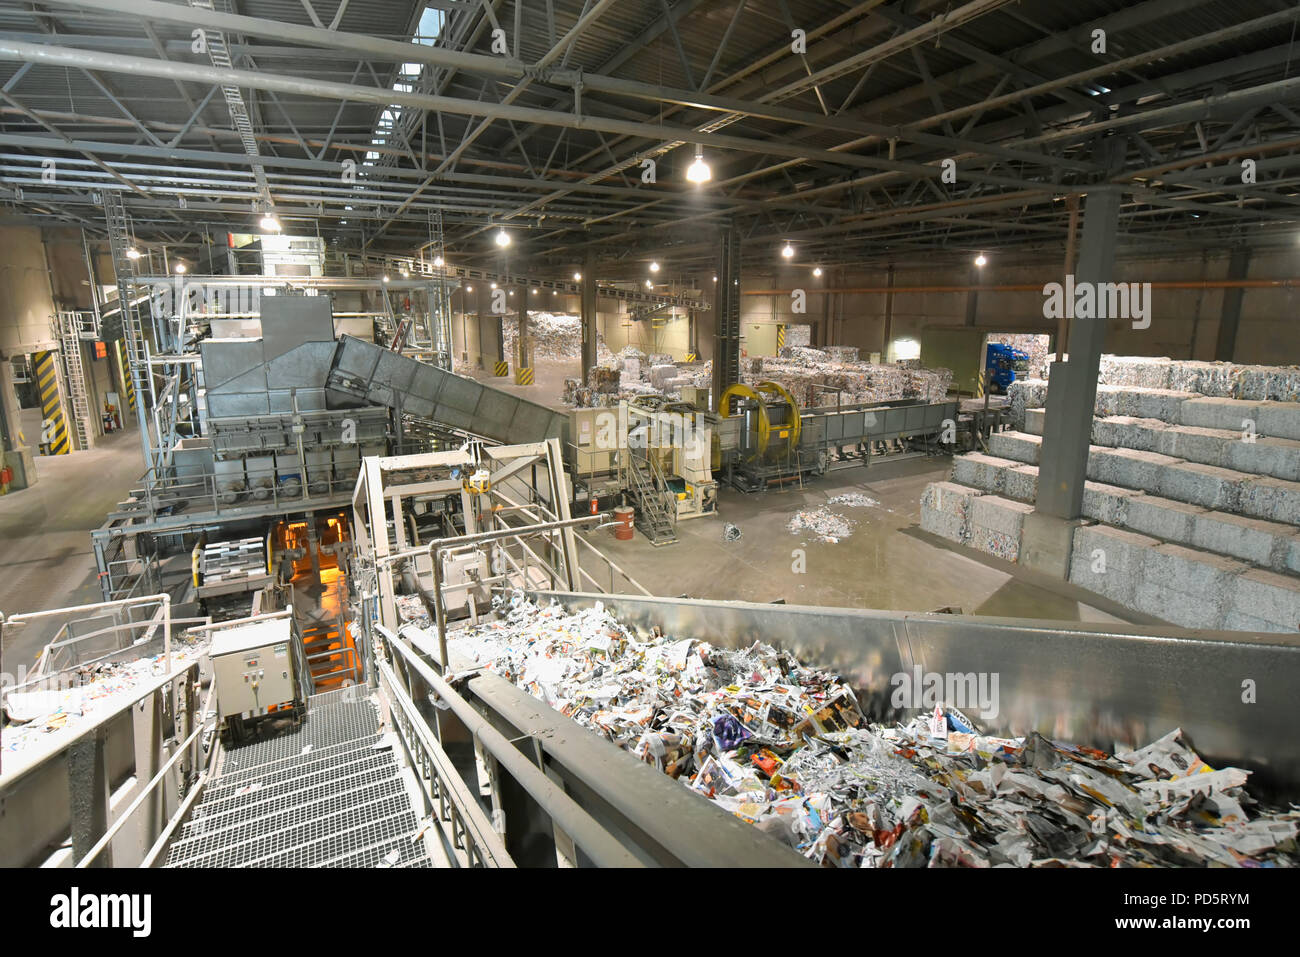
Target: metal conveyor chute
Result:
[[371, 373]]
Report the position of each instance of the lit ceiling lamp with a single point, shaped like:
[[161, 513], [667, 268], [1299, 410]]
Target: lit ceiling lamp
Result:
[[980, 260], [270, 224], [699, 171], [715, 278], [503, 238], [534, 292], [512, 292], [787, 252], [494, 285], [817, 272], [385, 277], [649, 284], [180, 267], [133, 253], [654, 267], [469, 288], [577, 277], [437, 262]]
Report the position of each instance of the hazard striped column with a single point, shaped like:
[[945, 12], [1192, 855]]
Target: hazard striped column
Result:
[[780, 336], [54, 427], [124, 374]]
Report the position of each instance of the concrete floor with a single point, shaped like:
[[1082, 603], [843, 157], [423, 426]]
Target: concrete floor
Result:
[[47, 560], [884, 564]]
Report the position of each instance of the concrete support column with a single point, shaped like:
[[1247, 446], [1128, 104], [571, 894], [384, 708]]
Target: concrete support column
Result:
[[590, 330], [523, 346], [1230, 317], [88, 794], [726, 307], [1048, 537], [1072, 384]]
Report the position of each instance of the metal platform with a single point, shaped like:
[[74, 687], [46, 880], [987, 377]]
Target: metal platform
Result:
[[326, 794]]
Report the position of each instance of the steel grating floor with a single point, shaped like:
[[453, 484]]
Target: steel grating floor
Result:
[[328, 793]]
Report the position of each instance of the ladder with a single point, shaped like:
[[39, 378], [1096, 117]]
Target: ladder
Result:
[[654, 509], [119, 242], [74, 374]]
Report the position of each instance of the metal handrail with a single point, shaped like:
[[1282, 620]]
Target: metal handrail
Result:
[[597, 843]]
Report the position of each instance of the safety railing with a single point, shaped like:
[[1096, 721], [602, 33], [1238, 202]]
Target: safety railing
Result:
[[139, 744], [446, 739]]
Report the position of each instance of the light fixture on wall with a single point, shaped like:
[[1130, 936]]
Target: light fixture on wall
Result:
[[133, 253], [699, 171], [469, 288], [649, 284], [577, 277], [437, 262], [385, 277]]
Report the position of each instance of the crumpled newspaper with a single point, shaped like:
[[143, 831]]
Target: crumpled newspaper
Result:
[[786, 747]]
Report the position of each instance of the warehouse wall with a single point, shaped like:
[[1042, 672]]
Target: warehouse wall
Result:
[[1184, 322], [26, 303]]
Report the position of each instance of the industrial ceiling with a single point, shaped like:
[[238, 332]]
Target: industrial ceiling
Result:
[[907, 130]]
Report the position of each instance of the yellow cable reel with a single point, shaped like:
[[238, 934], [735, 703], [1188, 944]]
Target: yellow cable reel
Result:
[[760, 395]]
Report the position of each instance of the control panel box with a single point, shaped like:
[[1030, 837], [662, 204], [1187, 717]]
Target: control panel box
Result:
[[257, 668]]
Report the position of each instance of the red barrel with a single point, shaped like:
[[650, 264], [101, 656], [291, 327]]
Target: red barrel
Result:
[[623, 516]]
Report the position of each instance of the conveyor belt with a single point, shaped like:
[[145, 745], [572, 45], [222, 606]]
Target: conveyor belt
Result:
[[319, 796], [364, 371]]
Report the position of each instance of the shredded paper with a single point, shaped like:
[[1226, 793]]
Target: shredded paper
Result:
[[786, 747]]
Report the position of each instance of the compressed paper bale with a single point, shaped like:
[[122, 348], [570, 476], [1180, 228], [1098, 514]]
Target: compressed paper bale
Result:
[[1107, 503], [1034, 421], [1239, 536], [1023, 395], [1281, 419], [1021, 482], [1268, 595], [1291, 556], [1130, 468], [998, 544], [1206, 485], [980, 471], [1161, 518], [1236, 621], [1279, 458], [1018, 446], [1109, 561], [945, 507], [1193, 572], [1272, 498], [1212, 412], [1276, 383], [1142, 371], [997, 514], [1179, 608], [1128, 432]]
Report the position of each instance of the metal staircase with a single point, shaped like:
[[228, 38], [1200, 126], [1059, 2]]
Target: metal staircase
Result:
[[655, 514], [329, 793], [74, 374]]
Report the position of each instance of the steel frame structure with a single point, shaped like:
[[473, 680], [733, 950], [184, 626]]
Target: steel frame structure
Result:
[[840, 149]]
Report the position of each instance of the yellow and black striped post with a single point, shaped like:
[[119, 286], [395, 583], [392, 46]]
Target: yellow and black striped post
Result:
[[524, 375], [124, 374], [502, 368], [54, 428], [780, 337], [690, 357]]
